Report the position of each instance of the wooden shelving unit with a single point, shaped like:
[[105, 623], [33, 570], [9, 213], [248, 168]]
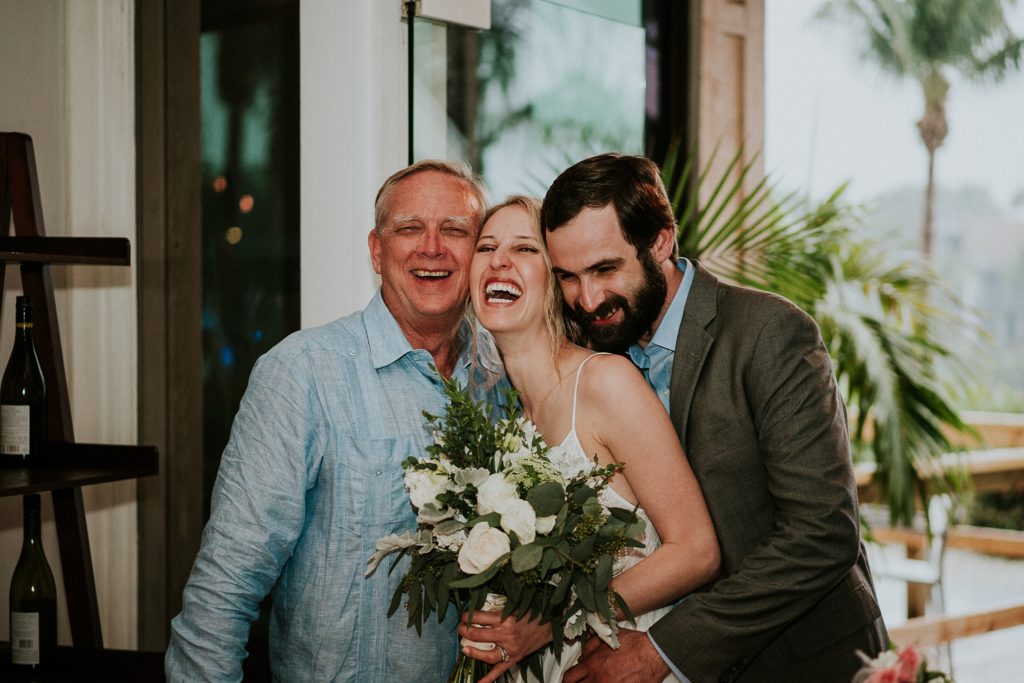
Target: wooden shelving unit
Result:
[[68, 465]]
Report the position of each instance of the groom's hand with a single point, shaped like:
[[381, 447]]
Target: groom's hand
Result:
[[636, 661]]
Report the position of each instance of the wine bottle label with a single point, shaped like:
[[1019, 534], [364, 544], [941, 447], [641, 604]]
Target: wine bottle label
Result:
[[25, 638], [14, 429]]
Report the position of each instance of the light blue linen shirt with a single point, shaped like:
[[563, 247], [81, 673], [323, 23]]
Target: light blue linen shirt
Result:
[[655, 361], [310, 479]]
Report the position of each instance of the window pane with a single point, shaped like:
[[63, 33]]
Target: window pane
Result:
[[249, 155], [547, 85]]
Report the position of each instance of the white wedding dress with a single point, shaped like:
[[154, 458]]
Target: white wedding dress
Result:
[[555, 667]]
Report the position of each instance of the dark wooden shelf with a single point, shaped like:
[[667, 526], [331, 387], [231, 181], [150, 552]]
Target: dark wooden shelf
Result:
[[79, 464], [80, 664], [112, 251]]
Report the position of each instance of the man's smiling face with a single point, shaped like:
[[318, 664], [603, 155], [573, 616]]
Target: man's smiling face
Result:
[[424, 247], [613, 293]]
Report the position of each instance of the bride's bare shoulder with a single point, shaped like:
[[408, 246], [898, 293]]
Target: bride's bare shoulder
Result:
[[612, 376]]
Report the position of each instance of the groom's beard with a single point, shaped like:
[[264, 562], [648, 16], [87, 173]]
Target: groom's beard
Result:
[[639, 311]]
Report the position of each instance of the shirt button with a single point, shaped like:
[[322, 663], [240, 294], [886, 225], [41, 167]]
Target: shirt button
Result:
[[379, 473], [352, 353]]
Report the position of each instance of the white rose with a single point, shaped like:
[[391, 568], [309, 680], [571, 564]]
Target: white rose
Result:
[[494, 493], [425, 486], [546, 524], [519, 516], [483, 546]]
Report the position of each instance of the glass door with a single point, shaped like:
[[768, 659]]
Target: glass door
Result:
[[547, 85]]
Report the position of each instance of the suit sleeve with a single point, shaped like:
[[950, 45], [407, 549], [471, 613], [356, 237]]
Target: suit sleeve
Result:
[[803, 443]]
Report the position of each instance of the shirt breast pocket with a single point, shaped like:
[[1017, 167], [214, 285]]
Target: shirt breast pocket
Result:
[[370, 486]]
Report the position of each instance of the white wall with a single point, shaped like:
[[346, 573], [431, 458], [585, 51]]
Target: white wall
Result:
[[68, 81], [353, 136]]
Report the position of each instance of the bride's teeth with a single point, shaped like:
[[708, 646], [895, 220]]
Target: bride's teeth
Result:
[[502, 291]]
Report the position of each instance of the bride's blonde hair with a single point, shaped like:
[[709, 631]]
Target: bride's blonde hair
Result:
[[553, 296]]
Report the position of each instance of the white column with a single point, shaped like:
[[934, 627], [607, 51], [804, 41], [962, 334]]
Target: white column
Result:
[[353, 136]]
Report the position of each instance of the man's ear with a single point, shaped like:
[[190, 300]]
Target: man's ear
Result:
[[664, 244], [373, 241]]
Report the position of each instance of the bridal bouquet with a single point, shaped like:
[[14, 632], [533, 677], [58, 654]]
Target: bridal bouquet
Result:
[[504, 515], [905, 665]]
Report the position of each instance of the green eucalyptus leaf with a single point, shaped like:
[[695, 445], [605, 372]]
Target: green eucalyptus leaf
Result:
[[547, 498], [603, 573], [476, 580], [526, 557], [585, 592], [493, 519]]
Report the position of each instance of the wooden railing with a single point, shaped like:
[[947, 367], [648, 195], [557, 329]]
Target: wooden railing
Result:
[[994, 464]]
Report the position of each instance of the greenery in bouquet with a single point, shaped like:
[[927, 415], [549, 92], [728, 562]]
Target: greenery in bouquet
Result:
[[903, 665], [502, 513]]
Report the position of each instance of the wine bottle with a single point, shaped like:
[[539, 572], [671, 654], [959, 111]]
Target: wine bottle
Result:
[[23, 396], [33, 602]]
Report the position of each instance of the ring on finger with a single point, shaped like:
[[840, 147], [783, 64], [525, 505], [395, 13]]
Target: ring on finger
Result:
[[504, 654]]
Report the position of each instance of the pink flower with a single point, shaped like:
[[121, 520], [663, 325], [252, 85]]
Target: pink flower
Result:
[[884, 676], [910, 662]]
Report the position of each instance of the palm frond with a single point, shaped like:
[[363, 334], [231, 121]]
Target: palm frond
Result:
[[888, 324]]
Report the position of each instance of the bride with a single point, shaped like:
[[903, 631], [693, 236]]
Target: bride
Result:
[[593, 404]]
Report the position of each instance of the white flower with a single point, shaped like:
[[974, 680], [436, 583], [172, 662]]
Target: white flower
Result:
[[511, 443], [474, 476], [569, 466], [432, 513], [546, 524], [575, 626], [494, 493], [603, 629], [425, 485], [518, 516], [483, 546], [452, 541], [394, 542]]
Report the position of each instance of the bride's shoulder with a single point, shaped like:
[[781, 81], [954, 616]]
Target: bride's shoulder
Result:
[[610, 374]]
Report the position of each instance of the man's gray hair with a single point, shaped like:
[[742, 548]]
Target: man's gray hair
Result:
[[456, 169]]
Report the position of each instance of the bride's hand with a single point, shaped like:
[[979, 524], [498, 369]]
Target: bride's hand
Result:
[[515, 637]]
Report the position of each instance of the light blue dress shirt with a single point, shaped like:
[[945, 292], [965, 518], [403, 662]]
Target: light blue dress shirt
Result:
[[310, 479], [655, 361]]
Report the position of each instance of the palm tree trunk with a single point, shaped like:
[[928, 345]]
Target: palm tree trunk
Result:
[[927, 228]]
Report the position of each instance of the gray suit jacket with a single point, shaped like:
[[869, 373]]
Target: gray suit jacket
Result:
[[756, 406]]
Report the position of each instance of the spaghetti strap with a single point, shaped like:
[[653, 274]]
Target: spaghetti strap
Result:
[[576, 387]]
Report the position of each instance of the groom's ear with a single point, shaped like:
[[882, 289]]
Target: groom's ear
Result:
[[664, 244]]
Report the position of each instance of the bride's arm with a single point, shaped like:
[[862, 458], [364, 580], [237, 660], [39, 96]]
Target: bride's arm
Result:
[[620, 412]]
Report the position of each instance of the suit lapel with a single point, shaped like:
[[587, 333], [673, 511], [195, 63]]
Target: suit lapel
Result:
[[692, 345]]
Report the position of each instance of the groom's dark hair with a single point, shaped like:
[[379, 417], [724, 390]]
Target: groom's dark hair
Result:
[[631, 184]]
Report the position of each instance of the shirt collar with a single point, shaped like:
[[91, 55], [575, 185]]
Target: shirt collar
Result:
[[389, 344], [668, 330]]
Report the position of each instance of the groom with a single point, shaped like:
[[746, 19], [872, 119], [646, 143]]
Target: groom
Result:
[[751, 391]]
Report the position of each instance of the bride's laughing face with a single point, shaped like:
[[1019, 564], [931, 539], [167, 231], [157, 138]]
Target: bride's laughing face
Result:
[[509, 275]]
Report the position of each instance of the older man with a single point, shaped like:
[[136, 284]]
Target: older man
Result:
[[750, 388], [311, 475]]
